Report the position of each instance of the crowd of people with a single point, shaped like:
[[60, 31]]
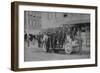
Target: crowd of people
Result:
[[48, 39], [52, 40]]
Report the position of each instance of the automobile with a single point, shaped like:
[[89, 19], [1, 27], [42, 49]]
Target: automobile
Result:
[[58, 43]]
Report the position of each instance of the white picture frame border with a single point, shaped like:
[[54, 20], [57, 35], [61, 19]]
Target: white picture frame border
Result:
[[34, 64]]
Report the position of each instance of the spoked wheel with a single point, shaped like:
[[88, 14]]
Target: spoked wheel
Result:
[[68, 48]]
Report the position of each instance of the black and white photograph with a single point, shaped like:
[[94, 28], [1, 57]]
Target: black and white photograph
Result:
[[53, 36], [56, 36]]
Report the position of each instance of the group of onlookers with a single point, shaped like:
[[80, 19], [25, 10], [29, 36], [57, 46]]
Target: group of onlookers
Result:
[[47, 39], [52, 40]]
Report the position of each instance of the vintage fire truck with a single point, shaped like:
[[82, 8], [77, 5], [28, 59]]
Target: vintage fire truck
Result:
[[60, 41]]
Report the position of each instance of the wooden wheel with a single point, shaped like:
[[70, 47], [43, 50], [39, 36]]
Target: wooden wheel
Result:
[[68, 48]]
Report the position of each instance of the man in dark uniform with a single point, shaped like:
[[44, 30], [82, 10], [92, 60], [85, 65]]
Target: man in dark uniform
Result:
[[63, 36], [53, 40], [47, 42]]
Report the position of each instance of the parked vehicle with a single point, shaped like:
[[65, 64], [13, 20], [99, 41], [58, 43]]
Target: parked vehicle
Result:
[[61, 41]]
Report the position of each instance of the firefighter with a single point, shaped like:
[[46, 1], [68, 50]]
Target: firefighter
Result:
[[53, 40], [62, 39]]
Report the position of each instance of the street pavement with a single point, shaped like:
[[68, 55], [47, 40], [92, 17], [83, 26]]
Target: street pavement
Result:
[[33, 53]]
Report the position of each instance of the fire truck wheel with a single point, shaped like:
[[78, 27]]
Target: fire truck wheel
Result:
[[68, 48]]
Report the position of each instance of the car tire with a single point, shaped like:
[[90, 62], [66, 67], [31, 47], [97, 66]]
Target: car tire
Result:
[[68, 48]]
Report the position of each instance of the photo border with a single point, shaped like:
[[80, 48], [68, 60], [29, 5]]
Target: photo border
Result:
[[15, 34]]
